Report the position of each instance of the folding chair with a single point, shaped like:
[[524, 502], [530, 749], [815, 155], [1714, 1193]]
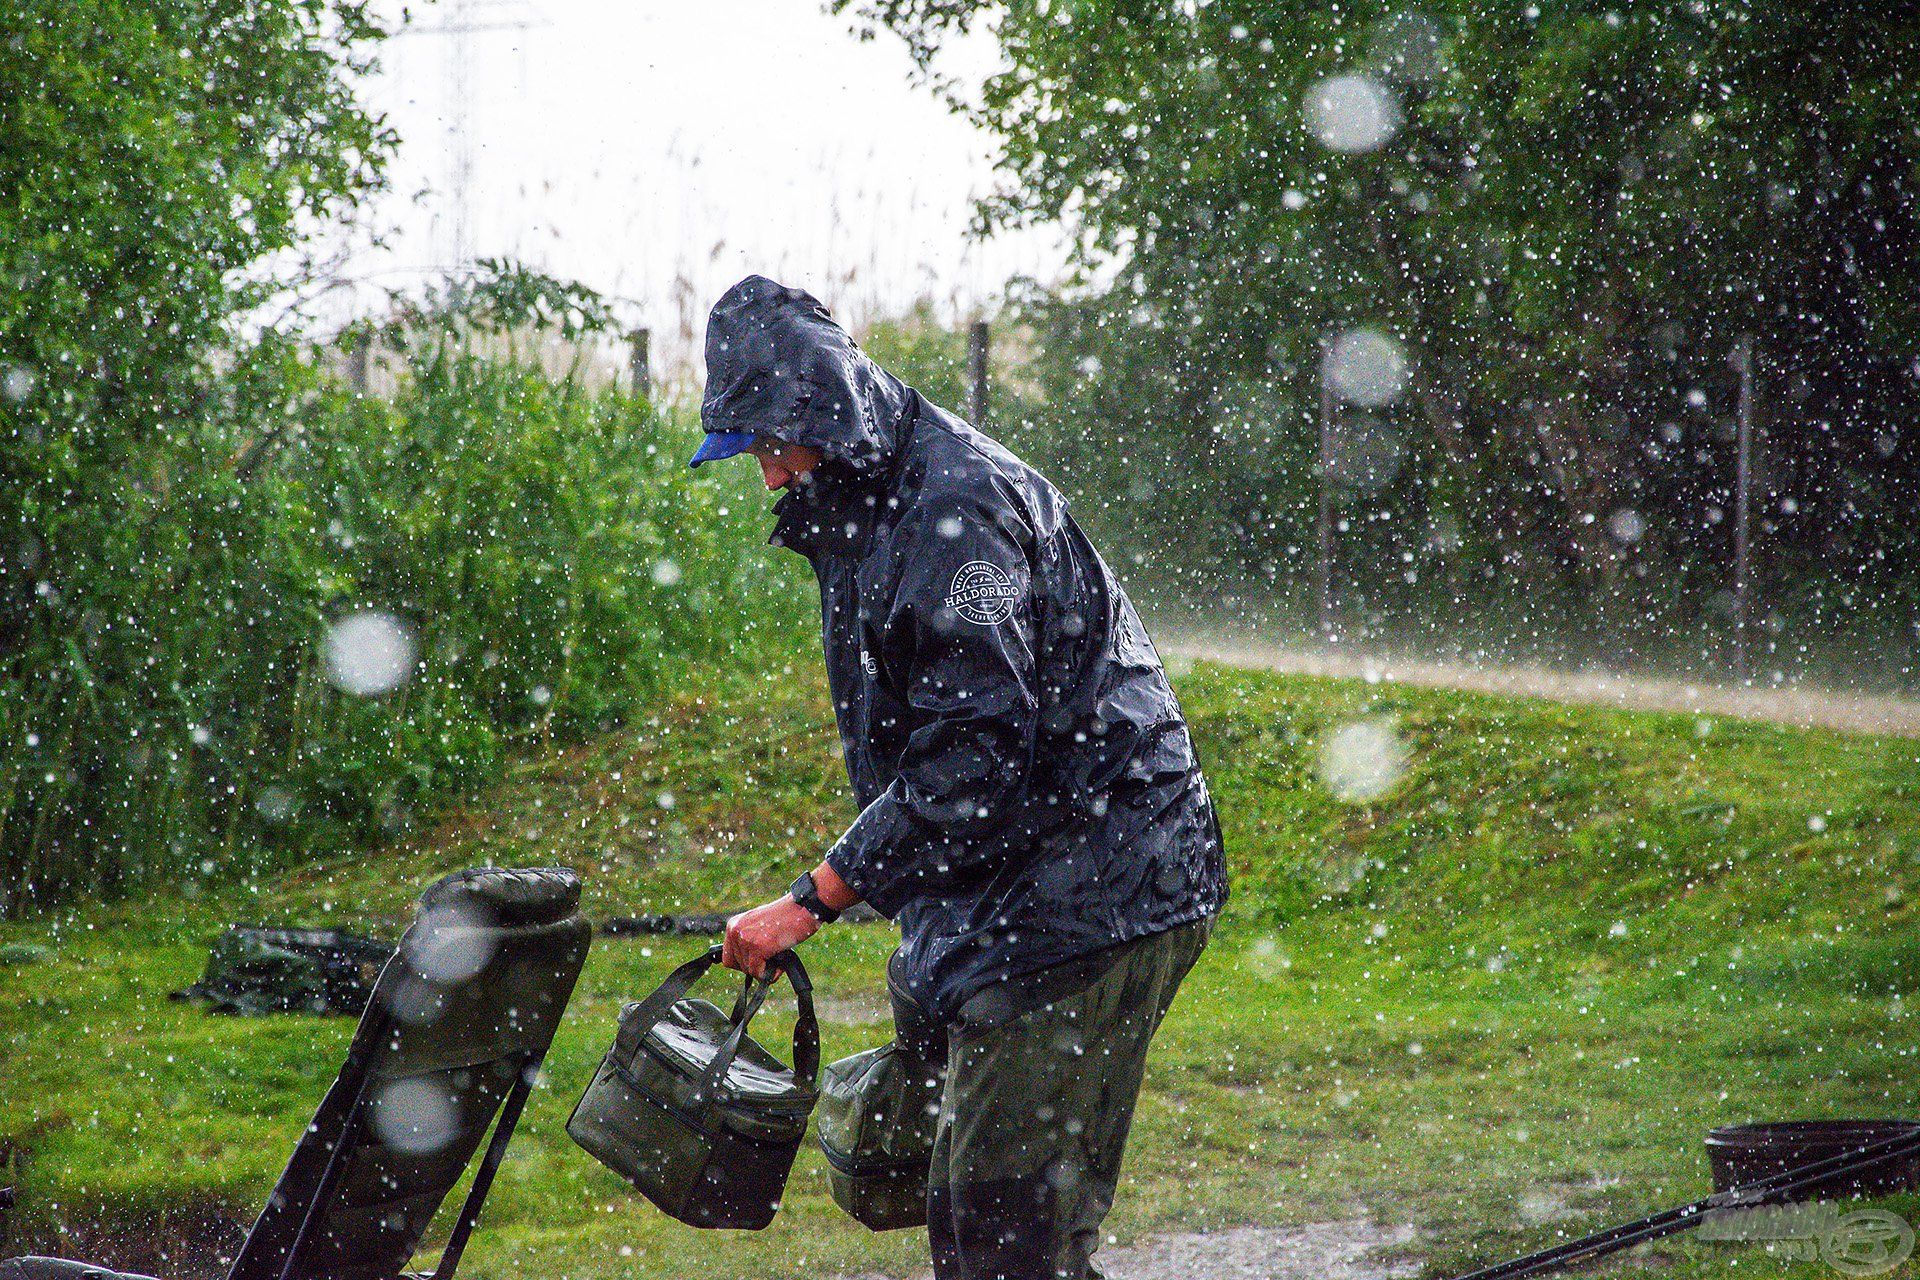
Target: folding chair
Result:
[[457, 1027]]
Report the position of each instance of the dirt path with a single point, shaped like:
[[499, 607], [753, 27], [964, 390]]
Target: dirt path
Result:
[[1317, 1251], [1803, 707]]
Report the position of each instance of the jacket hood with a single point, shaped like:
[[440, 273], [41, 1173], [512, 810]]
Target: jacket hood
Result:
[[778, 365]]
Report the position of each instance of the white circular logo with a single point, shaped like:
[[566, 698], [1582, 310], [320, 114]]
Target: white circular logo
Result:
[[1867, 1243], [982, 594]]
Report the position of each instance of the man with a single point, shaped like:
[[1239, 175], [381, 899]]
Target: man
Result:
[[1031, 810]]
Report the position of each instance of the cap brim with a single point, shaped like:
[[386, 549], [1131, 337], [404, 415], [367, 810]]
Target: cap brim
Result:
[[722, 444]]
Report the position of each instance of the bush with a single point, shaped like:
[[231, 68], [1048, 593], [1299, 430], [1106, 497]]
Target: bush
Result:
[[525, 556]]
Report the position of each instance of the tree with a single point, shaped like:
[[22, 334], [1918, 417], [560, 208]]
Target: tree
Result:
[[1565, 213], [154, 154]]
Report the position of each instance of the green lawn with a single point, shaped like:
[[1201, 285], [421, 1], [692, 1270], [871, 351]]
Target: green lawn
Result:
[[1503, 1000]]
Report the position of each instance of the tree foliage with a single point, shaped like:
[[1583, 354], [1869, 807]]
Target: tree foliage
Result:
[[1577, 212], [152, 152]]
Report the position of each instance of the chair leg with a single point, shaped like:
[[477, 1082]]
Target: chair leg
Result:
[[503, 1126]]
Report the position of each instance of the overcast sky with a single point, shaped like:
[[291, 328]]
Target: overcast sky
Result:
[[633, 144]]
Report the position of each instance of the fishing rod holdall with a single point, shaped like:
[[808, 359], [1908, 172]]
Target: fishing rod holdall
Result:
[[695, 1113]]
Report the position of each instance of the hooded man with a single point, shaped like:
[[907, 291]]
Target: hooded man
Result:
[[1032, 814]]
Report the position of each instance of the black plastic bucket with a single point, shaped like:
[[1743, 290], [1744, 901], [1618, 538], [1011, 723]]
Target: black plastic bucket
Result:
[[1743, 1152]]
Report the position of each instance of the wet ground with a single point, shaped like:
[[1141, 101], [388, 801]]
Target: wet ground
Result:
[[1346, 1250]]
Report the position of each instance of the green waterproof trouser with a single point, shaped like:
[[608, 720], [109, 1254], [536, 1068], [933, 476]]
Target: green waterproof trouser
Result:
[[1034, 1119]]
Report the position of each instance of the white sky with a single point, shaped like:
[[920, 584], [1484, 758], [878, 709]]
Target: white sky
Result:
[[660, 149]]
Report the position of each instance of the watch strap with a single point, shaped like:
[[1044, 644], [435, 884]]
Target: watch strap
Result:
[[807, 894]]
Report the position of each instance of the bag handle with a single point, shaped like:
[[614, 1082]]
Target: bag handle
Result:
[[806, 1028], [650, 1011]]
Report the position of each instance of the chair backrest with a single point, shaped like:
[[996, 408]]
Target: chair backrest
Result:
[[458, 1024]]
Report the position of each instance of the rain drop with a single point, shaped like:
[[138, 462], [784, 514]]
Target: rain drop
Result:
[[1362, 761], [1627, 525], [1352, 113], [368, 653], [448, 946], [1366, 367], [275, 803], [17, 383], [415, 1116]]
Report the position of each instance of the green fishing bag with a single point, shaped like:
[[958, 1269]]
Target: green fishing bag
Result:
[[687, 1107], [878, 1113], [252, 969]]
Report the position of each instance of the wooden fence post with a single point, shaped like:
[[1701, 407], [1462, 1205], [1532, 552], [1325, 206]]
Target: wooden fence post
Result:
[[640, 361], [977, 339], [1324, 521], [1743, 359], [359, 361]]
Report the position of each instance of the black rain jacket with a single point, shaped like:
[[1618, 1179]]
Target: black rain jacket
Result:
[[1029, 793]]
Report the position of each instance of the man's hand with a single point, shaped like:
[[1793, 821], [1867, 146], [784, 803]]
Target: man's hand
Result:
[[757, 936]]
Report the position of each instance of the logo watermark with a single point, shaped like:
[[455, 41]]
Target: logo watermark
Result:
[[1856, 1242]]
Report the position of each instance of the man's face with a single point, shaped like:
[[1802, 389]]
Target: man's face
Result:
[[782, 463]]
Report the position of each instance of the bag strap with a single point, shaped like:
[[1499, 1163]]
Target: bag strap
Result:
[[806, 1028], [652, 1010]]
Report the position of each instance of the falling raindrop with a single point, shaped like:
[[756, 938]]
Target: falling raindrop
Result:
[[1408, 46], [1367, 367], [448, 946], [368, 653], [1362, 760], [1352, 113], [415, 1116], [17, 383], [275, 803], [1366, 455], [1627, 525]]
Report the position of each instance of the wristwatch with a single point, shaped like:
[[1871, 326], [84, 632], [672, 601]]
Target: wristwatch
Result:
[[807, 895]]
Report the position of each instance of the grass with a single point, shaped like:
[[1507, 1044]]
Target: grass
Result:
[[1502, 1001]]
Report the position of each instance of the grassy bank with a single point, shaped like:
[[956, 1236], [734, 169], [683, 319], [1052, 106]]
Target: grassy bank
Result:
[[1501, 1000]]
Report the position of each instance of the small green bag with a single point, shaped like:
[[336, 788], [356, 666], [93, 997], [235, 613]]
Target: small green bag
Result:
[[878, 1114], [695, 1114], [253, 969]]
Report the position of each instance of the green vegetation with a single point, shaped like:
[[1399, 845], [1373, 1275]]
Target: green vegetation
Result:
[[190, 507], [152, 154], [1556, 220], [538, 544], [1502, 1000]]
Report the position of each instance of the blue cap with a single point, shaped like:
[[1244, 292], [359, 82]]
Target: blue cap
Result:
[[722, 444]]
